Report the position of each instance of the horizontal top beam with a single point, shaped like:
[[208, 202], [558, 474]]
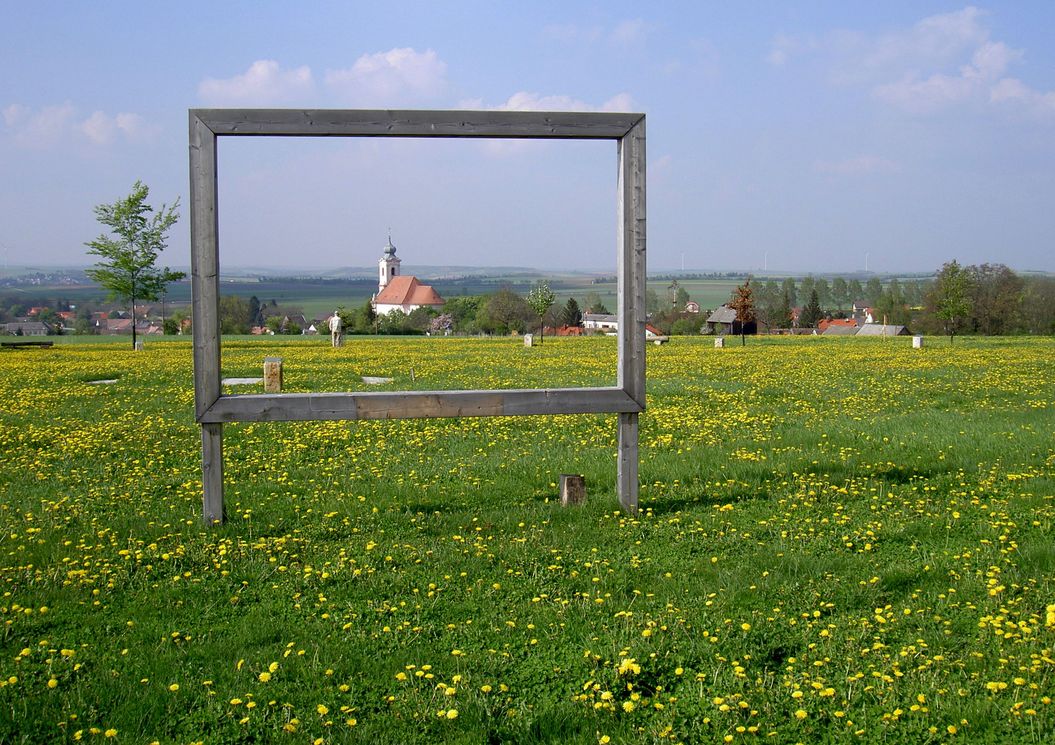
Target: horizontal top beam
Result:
[[567, 125]]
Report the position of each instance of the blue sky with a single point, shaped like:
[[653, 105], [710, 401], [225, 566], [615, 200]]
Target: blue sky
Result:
[[795, 136]]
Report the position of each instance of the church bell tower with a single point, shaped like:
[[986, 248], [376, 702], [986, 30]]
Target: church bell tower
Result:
[[388, 265]]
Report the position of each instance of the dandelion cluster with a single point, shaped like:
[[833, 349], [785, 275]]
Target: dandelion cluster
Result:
[[837, 541]]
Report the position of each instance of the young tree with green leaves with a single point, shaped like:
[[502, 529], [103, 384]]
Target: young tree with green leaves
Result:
[[949, 298], [128, 256], [541, 299]]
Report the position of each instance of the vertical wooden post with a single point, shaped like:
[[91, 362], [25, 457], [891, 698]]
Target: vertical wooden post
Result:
[[205, 289], [572, 489], [627, 472], [212, 473], [631, 302]]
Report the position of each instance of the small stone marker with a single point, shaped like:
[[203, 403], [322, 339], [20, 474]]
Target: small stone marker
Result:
[[572, 489], [529, 340], [374, 380], [719, 343], [272, 375], [917, 342], [139, 345]]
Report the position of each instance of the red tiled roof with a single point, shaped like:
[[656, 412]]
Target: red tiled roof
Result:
[[849, 322], [406, 290]]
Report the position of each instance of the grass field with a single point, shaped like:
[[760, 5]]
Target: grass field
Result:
[[840, 540]]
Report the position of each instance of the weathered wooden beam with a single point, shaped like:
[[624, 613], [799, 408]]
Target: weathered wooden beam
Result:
[[631, 259], [417, 404], [212, 473], [626, 476], [205, 265], [384, 123]]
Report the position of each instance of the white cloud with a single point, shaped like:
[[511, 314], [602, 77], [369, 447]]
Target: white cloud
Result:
[[102, 129], [15, 114], [975, 81], [856, 166], [60, 124], [397, 76], [525, 101], [264, 83], [943, 60]]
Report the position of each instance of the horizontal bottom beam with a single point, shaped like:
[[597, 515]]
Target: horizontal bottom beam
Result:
[[285, 407]]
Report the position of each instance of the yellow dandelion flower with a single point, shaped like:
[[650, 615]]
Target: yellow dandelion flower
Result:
[[452, 713], [800, 714], [322, 709], [264, 677]]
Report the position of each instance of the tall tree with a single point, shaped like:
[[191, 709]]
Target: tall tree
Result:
[[855, 291], [571, 315], [840, 294], [873, 291], [541, 298], [949, 297], [744, 305], [806, 286], [996, 294], [788, 288], [892, 305], [812, 312], [128, 257], [824, 293]]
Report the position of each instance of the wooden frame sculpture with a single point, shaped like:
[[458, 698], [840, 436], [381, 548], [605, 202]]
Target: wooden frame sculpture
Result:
[[213, 409]]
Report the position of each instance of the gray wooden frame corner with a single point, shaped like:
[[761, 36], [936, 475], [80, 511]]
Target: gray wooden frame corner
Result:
[[212, 409]]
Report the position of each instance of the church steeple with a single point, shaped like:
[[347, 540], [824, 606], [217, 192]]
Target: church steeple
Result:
[[388, 265]]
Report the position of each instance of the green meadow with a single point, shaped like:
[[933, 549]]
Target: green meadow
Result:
[[839, 540]]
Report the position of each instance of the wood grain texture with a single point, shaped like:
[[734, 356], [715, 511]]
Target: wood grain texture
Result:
[[417, 404], [626, 477], [631, 258], [212, 473], [205, 266], [398, 123]]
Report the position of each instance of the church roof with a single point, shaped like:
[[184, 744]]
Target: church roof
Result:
[[406, 290]]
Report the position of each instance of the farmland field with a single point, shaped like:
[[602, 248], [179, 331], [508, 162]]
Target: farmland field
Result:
[[840, 540]]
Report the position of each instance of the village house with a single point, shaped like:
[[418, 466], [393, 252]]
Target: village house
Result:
[[600, 322], [837, 326], [396, 291], [723, 321], [28, 328]]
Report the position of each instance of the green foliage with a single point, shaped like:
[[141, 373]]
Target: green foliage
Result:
[[570, 314], [235, 316], [811, 314], [949, 300], [127, 266], [541, 299], [503, 312]]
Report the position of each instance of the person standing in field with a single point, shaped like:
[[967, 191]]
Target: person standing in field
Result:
[[336, 330]]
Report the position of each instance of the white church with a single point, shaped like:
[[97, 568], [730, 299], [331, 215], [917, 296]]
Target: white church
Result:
[[397, 291]]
